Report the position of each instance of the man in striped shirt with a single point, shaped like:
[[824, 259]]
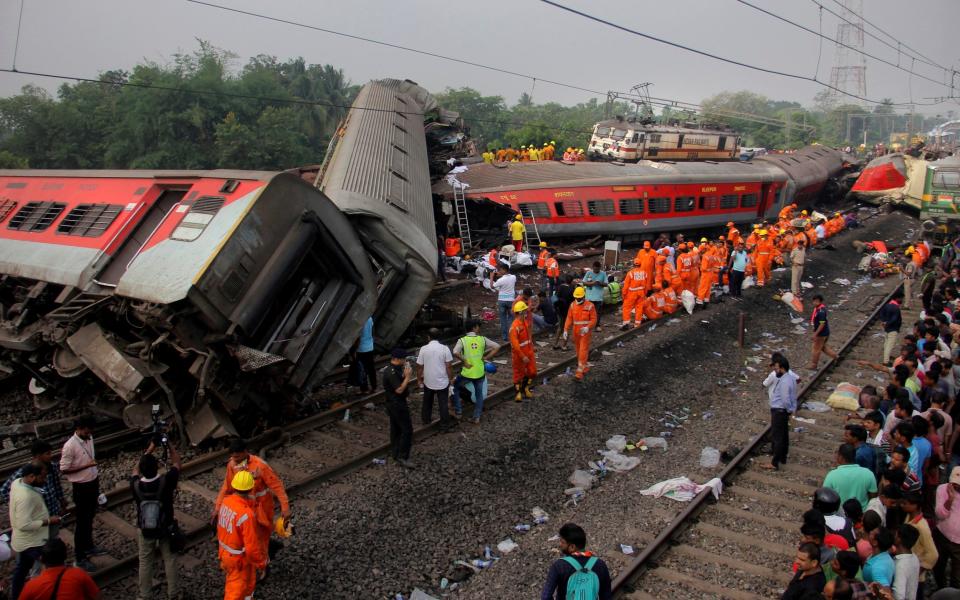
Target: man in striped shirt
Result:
[[52, 490]]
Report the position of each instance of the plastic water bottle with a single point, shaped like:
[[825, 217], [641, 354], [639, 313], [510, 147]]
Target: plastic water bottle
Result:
[[522, 527], [486, 552], [481, 564], [379, 461], [541, 520]]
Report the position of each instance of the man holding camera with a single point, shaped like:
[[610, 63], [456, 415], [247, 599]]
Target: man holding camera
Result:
[[153, 494]]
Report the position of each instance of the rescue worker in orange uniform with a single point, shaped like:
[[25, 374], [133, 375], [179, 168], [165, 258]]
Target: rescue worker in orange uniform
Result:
[[509, 154], [501, 155], [581, 319], [685, 268], [552, 269], [763, 256], [752, 238], [493, 258], [786, 213], [710, 265], [522, 353], [648, 260], [542, 262], [241, 553], [811, 233], [733, 234], [635, 285], [267, 486], [653, 306], [670, 299], [664, 272], [524, 154]]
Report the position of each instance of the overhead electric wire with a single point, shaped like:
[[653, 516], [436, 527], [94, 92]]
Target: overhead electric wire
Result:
[[721, 58], [838, 42], [892, 37], [899, 48]]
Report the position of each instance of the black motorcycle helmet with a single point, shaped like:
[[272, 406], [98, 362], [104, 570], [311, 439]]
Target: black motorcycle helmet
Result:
[[826, 500]]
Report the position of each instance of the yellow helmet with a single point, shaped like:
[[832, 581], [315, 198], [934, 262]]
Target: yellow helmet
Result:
[[552, 142], [520, 306], [836, 214], [569, 149], [242, 481], [545, 144], [518, 217], [579, 292], [762, 232], [756, 226], [803, 212], [782, 231], [703, 240], [543, 244], [910, 250], [282, 528]]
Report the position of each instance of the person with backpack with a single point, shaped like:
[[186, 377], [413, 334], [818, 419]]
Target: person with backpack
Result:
[[579, 575], [153, 495]]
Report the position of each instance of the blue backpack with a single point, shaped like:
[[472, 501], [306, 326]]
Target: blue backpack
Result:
[[584, 583]]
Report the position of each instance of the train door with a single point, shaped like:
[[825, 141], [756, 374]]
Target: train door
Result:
[[127, 251], [722, 143], [768, 197]]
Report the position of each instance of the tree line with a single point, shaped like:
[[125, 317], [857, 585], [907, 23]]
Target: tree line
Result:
[[200, 111]]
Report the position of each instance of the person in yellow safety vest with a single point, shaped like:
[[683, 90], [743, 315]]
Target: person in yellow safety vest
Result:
[[533, 152], [635, 286], [581, 319], [488, 157], [517, 230], [241, 552]]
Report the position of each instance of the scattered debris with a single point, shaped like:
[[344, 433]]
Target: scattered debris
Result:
[[806, 285], [626, 549], [617, 443], [805, 420], [841, 281], [507, 546], [682, 489], [815, 406], [709, 457]]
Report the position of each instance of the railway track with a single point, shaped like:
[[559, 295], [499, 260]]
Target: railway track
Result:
[[318, 449], [740, 547]]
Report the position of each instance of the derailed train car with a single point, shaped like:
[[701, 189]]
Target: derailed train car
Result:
[[221, 296]]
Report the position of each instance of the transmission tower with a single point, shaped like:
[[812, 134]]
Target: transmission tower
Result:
[[849, 73]]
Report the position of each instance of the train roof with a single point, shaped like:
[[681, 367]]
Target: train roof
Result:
[[949, 162], [140, 174], [532, 175]]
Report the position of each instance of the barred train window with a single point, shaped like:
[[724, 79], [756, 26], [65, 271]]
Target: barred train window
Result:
[[539, 210], [600, 208], [6, 207], [709, 202], [197, 218], [658, 205], [89, 220], [684, 203], [36, 216], [748, 200], [729, 201], [631, 206]]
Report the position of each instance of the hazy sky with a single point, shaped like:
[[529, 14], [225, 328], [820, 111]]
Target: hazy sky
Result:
[[86, 37]]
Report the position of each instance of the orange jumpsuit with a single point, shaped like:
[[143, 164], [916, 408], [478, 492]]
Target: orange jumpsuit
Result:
[[542, 260], [648, 261], [670, 301], [267, 485], [240, 552], [811, 237], [685, 268], [764, 256], [635, 285], [510, 154], [665, 273], [501, 155], [733, 234], [493, 257], [786, 213], [580, 316], [709, 275], [838, 223], [524, 155], [521, 346], [653, 306]]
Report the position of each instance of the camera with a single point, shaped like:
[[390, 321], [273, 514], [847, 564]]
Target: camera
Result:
[[159, 428]]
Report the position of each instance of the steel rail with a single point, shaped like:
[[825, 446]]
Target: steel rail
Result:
[[622, 584]]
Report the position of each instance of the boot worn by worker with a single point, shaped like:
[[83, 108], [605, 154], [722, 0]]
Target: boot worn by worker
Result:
[[527, 392], [519, 396]]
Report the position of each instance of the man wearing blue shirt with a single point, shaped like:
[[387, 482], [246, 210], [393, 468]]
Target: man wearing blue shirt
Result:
[[879, 567], [856, 435], [905, 435], [364, 359], [738, 269], [781, 386], [594, 281]]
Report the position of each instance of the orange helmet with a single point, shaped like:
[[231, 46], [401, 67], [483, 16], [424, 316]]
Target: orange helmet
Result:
[[637, 262]]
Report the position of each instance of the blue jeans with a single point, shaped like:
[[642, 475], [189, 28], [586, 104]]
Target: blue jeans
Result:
[[505, 307], [477, 389]]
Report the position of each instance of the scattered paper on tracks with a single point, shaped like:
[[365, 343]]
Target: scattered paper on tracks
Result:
[[682, 489]]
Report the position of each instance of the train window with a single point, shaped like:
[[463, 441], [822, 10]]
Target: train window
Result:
[[36, 216], [89, 220], [748, 200], [568, 208], [654, 138], [684, 203], [197, 218], [658, 205], [538, 210], [600, 208], [619, 134], [941, 179], [729, 201], [636, 136], [603, 131], [709, 202], [631, 206], [6, 207]]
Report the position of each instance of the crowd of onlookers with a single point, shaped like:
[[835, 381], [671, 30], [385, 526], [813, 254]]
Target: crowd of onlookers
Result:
[[886, 521]]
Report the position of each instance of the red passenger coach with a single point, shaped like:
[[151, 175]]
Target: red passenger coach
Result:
[[591, 198]]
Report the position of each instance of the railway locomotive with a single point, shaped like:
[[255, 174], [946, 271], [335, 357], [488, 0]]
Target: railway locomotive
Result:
[[641, 200], [632, 140], [224, 297]]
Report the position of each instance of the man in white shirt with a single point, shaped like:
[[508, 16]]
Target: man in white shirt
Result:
[[906, 565], [78, 463], [505, 284], [434, 373]]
